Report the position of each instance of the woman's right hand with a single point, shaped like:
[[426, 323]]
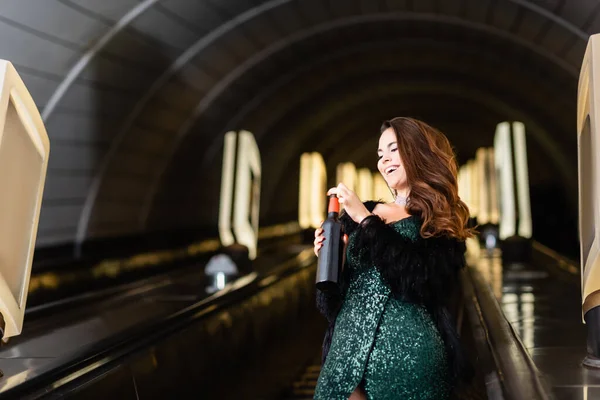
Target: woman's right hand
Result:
[[319, 239]]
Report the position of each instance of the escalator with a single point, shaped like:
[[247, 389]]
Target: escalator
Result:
[[303, 388], [259, 338], [96, 331]]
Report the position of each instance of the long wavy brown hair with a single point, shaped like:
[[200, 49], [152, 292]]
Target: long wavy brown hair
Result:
[[431, 173]]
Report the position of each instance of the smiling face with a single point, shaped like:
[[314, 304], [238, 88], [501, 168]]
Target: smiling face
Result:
[[390, 164]]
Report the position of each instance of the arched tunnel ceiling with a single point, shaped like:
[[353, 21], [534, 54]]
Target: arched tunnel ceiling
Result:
[[137, 95]]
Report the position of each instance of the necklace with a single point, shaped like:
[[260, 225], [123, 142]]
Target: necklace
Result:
[[401, 200]]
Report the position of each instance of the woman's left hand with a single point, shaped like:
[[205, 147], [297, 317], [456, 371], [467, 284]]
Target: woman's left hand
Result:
[[352, 204]]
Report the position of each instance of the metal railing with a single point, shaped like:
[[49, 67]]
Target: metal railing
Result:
[[508, 370]]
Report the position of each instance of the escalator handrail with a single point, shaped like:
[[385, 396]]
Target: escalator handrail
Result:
[[516, 372], [563, 263]]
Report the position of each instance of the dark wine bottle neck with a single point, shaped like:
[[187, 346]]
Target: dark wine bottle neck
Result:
[[332, 214]]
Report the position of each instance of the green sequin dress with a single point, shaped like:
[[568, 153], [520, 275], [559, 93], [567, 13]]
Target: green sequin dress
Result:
[[390, 347]]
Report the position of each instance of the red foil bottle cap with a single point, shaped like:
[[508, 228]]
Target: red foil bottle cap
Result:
[[334, 204]]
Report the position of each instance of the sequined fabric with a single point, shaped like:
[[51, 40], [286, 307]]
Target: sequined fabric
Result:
[[391, 347]]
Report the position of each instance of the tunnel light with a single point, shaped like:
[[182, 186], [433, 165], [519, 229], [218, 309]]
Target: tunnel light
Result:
[[474, 187], [226, 198], [463, 186], [313, 187], [304, 191], [482, 186], [318, 190], [504, 169], [588, 148], [346, 173], [24, 151], [477, 188], [247, 200], [522, 175], [246, 177], [492, 187], [364, 186], [510, 148]]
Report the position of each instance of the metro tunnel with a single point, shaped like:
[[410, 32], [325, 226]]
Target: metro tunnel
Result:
[[163, 246]]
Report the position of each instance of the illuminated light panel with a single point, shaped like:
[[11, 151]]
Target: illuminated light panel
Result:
[[24, 151], [247, 189], [304, 191], [478, 186], [466, 187], [463, 186], [313, 189], [482, 187], [473, 188], [588, 148], [226, 198], [524, 204], [246, 176], [364, 187], [503, 161], [346, 174], [492, 187], [318, 190]]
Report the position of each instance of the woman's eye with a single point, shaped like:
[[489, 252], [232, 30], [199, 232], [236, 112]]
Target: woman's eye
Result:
[[379, 157], [395, 149]]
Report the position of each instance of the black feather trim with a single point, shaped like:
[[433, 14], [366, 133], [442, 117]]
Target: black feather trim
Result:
[[348, 224], [423, 271]]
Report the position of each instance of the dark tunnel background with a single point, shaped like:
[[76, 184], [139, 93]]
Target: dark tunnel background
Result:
[[137, 96]]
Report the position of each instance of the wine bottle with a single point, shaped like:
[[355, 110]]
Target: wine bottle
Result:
[[329, 264]]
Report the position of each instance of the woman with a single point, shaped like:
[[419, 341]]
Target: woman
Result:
[[390, 335]]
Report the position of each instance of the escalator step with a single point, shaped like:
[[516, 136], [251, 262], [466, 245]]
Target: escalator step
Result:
[[303, 388]]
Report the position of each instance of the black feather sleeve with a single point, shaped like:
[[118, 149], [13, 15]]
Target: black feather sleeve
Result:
[[423, 271]]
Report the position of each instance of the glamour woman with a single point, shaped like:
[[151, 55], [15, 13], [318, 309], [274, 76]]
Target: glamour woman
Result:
[[390, 335]]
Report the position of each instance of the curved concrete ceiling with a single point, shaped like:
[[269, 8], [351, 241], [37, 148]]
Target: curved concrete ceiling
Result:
[[137, 95]]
